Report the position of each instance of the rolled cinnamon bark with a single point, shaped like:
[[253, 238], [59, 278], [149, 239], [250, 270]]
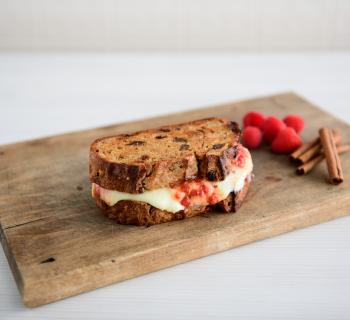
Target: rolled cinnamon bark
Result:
[[307, 167], [333, 162], [303, 148], [309, 154], [311, 149]]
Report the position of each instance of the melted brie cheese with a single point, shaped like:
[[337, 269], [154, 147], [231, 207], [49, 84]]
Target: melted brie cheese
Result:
[[164, 199], [159, 198]]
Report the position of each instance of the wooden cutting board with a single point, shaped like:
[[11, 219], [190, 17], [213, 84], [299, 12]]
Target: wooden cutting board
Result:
[[58, 244]]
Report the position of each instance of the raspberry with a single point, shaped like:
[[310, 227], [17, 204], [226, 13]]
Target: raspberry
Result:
[[205, 188], [295, 122], [213, 198], [186, 201], [253, 119], [196, 192], [286, 141], [272, 126], [252, 137]]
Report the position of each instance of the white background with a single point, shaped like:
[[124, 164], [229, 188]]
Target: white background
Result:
[[51, 93], [174, 24], [74, 64], [300, 275]]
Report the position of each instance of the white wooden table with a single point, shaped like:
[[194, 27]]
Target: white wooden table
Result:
[[301, 275]]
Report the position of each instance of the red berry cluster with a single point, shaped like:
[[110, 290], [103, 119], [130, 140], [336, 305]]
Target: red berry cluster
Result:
[[282, 136]]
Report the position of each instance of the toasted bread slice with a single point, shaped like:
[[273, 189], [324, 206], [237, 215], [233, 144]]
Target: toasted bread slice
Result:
[[164, 157]]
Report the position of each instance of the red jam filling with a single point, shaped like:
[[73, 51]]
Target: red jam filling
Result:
[[96, 190], [201, 191], [197, 191], [240, 157], [186, 201]]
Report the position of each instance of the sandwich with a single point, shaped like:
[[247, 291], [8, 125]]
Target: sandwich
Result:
[[170, 173]]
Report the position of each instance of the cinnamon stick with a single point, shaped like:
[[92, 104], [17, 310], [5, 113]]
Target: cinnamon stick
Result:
[[313, 148], [309, 154], [303, 148], [307, 167], [333, 162]]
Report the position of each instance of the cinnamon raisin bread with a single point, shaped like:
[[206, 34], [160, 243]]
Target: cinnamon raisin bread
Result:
[[170, 173]]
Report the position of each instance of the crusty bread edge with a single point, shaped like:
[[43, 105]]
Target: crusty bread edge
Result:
[[129, 178]]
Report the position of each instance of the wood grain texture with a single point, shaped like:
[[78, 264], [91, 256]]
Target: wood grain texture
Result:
[[58, 244]]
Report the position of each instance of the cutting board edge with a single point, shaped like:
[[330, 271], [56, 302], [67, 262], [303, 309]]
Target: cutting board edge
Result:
[[27, 289], [31, 299], [11, 261]]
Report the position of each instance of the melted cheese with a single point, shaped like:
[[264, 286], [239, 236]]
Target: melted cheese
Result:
[[164, 199], [159, 198]]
